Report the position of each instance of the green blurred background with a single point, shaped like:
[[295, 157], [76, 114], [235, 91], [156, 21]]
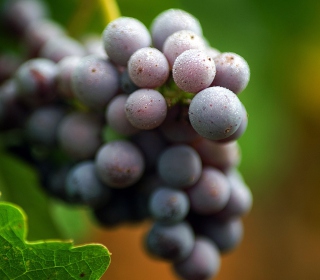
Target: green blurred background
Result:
[[280, 149]]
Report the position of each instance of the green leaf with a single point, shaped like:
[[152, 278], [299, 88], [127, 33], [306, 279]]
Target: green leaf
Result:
[[20, 259]]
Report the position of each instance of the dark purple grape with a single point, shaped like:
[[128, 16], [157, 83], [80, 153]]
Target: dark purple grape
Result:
[[146, 108], [211, 192], [215, 113], [79, 135], [126, 84], [116, 116], [9, 63], [203, 262], [179, 166], [170, 242], [168, 205], [233, 72], [95, 81], [171, 21], [83, 187], [119, 163], [122, 37]]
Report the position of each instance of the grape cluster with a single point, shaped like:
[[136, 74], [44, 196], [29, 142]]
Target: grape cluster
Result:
[[137, 124]]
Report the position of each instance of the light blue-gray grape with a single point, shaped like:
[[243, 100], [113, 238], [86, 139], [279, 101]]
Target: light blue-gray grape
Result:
[[83, 187], [116, 117], [148, 68], [202, 264], [79, 135], [211, 192], [179, 166], [122, 37], [119, 164], [233, 72], [146, 108], [215, 113], [181, 41], [170, 242], [95, 80], [193, 70], [170, 21], [169, 205]]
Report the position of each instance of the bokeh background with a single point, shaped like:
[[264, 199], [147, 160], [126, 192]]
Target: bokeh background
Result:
[[280, 149]]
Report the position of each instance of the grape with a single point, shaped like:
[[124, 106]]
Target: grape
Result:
[[223, 156], [181, 41], [215, 113], [233, 72], [148, 68], [146, 108], [95, 81], [122, 37], [126, 84], [79, 135], [93, 45], [211, 193], [83, 186], [9, 63], [179, 166], [42, 125], [203, 262], [193, 70], [66, 66], [116, 117], [59, 47], [170, 242], [171, 21], [119, 163], [212, 52], [169, 205]]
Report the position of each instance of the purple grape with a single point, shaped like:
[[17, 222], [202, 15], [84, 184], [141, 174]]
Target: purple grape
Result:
[[94, 45], [179, 166], [148, 68], [215, 113], [79, 135], [170, 242], [83, 187], [233, 72], [168, 205], [9, 63], [193, 70], [211, 192], [116, 117], [122, 37], [95, 80], [146, 108], [119, 164], [66, 66], [171, 21], [126, 84], [212, 52], [202, 264], [223, 156], [181, 41]]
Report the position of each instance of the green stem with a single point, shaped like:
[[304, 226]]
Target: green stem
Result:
[[110, 10]]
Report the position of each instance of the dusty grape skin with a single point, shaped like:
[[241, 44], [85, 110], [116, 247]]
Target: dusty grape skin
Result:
[[179, 42], [146, 108], [116, 117], [83, 187], [95, 81], [233, 72], [119, 164], [179, 166], [170, 242], [66, 66], [215, 113], [202, 264], [122, 37], [171, 21], [193, 70], [211, 192], [168, 205], [79, 135], [148, 68]]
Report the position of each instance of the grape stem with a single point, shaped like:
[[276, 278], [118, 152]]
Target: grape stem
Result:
[[110, 10]]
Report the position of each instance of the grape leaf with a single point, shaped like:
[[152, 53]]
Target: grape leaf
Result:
[[20, 259]]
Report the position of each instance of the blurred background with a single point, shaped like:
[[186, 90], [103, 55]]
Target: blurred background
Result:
[[280, 150]]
